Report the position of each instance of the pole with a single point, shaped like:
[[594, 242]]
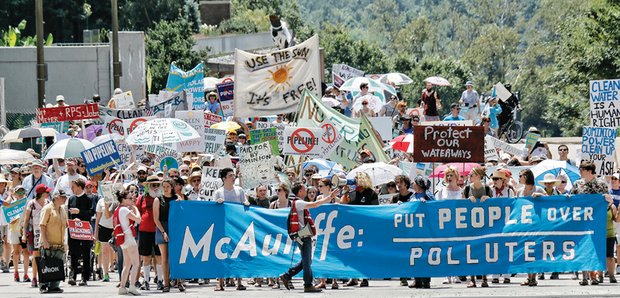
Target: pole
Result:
[[116, 65], [41, 66]]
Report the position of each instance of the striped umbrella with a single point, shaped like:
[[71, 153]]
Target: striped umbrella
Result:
[[68, 148], [17, 136]]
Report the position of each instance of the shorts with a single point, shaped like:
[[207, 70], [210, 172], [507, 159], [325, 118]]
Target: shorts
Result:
[[159, 237], [617, 229], [105, 234], [129, 242], [146, 244], [15, 237], [611, 244]]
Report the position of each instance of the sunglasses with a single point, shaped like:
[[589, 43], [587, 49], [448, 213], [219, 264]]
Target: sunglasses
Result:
[[487, 121], [155, 185], [563, 149], [364, 103], [173, 176], [277, 190], [496, 178]]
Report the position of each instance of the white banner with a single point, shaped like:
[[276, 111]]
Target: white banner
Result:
[[256, 165], [273, 83], [130, 124], [195, 119], [490, 153], [210, 182]]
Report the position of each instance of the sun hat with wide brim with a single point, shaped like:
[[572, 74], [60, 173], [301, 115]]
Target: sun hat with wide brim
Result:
[[152, 179], [549, 178], [499, 174]]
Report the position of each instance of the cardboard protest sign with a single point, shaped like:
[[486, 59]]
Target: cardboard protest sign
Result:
[[448, 144], [101, 157], [256, 165], [15, 210], [383, 125], [266, 135], [502, 92], [210, 182], [124, 100], [190, 81], [166, 109], [342, 72], [505, 147], [211, 119], [214, 140], [490, 153], [280, 131], [165, 156], [530, 140], [127, 152], [605, 103], [80, 230], [195, 119], [262, 124], [302, 141], [130, 124], [386, 199], [108, 190], [113, 125], [448, 123], [330, 137], [68, 113], [226, 94], [598, 145], [272, 83]]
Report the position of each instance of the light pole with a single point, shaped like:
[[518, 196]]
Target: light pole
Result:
[[116, 65], [41, 66]]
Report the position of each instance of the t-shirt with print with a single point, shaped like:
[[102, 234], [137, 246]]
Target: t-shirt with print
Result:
[[615, 194]]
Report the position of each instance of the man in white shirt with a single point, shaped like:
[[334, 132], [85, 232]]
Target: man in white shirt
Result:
[[471, 101], [37, 177], [64, 182]]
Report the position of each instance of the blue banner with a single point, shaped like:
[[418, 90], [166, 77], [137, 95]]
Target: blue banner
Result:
[[191, 81], [414, 239], [101, 157], [15, 210]]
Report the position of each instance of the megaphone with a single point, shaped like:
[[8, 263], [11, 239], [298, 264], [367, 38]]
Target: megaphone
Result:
[[338, 181]]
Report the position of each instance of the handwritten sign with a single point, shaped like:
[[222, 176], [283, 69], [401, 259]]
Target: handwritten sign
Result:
[[15, 210], [330, 137], [211, 119], [210, 182], [107, 191], [176, 101], [505, 147], [490, 153], [272, 83], [598, 145], [605, 103], [531, 140], [101, 157], [214, 140], [448, 144], [342, 72], [256, 161], [270, 135], [195, 119], [124, 100], [80, 230], [68, 113]]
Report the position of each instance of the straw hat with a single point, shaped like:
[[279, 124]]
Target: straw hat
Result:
[[152, 179], [499, 174], [549, 178]]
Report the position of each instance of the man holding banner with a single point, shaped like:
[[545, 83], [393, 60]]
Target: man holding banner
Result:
[[299, 219]]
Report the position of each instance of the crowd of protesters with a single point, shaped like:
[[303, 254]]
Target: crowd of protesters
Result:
[[59, 191]]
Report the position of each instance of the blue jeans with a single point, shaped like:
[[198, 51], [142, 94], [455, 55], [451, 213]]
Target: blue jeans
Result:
[[119, 261], [52, 253], [305, 263]]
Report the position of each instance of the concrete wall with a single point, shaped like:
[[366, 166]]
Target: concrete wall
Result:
[[228, 43], [77, 72]]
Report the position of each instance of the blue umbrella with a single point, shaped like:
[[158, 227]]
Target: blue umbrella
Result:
[[555, 167], [326, 167]]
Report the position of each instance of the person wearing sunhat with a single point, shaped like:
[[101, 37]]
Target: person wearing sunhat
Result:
[[407, 126], [146, 231], [471, 101], [501, 189], [421, 193], [53, 226], [212, 104], [550, 183], [15, 235], [16, 176], [32, 214], [37, 177], [194, 181]]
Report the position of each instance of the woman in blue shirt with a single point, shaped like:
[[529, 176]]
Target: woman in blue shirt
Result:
[[493, 110], [213, 104]]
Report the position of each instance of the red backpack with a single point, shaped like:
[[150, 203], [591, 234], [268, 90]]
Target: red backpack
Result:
[[119, 234]]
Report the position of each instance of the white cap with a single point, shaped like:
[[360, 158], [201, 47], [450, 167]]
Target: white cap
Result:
[[118, 91], [60, 98]]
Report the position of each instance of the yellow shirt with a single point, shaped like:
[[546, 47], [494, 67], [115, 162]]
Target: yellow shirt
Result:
[[55, 223]]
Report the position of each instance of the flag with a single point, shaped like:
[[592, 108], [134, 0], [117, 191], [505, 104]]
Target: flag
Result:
[[191, 81]]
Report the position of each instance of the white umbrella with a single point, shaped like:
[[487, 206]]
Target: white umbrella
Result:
[[374, 103], [353, 84], [104, 138], [395, 77], [330, 102], [210, 83], [9, 157], [379, 172], [30, 132], [162, 131], [437, 81], [68, 148]]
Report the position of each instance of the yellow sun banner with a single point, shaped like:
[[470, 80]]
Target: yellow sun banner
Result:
[[273, 83]]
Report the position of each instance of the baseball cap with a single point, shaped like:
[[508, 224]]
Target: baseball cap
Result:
[[60, 98], [42, 188], [59, 193]]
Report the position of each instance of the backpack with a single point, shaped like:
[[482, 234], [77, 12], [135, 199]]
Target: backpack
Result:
[[487, 191]]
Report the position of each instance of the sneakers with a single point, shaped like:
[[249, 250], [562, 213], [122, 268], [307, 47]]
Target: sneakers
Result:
[[456, 280], [286, 281], [26, 278], [43, 289], [72, 282], [134, 291], [612, 279], [3, 267], [106, 278], [16, 277], [312, 289], [34, 283], [160, 285], [145, 286], [83, 283], [364, 283], [122, 291]]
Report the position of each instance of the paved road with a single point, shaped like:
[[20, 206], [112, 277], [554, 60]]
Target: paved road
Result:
[[565, 287]]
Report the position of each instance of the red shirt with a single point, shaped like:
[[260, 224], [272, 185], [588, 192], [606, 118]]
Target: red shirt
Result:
[[145, 205]]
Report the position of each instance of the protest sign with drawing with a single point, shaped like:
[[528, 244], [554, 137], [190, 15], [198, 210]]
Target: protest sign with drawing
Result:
[[214, 140], [130, 124], [448, 144], [195, 119], [303, 141], [330, 138], [80, 230], [226, 94], [101, 157], [605, 103], [256, 165], [272, 83], [270, 135], [107, 191], [124, 100], [598, 145]]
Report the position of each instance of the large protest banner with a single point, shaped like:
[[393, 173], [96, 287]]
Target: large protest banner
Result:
[[342, 72], [101, 157], [598, 145], [14, 210], [191, 81], [412, 239], [195, 119], [313, 111], [256, 161], [270, 135], [605, 103], [226, 94], [166, 109], [448, 144], [67, 113], [273, 83]]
